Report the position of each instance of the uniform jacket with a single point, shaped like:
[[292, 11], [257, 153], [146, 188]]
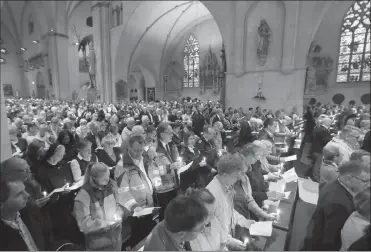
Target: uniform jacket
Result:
[[169, 178], [133, 188]]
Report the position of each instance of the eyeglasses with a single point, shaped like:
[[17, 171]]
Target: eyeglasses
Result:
[[202, 229]]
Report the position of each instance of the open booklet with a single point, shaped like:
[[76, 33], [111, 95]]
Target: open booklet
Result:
[[145, 211], [74, 186], [261, 228], [184, 168]]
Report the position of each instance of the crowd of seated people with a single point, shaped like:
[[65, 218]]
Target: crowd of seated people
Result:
[[82, 172]]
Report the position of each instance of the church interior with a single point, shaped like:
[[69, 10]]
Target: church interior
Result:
[[143, 56]]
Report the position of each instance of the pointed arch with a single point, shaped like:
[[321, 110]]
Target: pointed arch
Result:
[[354, 54], [191, 62]]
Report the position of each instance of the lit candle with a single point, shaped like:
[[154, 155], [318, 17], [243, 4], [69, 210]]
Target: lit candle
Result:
[[278, 212], [45, 193], [180, 159], [204, 159], [67, 185], [225, 148], [283, 188], [246, 241], [121, 156], [117, 217]]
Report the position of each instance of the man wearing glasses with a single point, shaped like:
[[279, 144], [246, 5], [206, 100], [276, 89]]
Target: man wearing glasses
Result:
[[335, 205], [185, 219]]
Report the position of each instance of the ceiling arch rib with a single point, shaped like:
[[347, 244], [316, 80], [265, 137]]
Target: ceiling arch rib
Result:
[[147, 29], [171, 30], [10, 16]]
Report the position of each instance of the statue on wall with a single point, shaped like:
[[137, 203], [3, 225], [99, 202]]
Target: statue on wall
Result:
[[264, 39], [92, 65], [310, 80], [319, 67], [209, 72]]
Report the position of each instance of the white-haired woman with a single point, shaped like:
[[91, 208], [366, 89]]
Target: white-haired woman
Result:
[[265, 165], [98, 214], [109, 154]]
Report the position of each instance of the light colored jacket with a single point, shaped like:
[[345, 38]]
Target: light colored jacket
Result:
[[95, 212], [353, 229], [225, 212], [214, 239]]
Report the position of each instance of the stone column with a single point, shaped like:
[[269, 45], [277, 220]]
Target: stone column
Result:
[[102, 47], [58, 45], [5, 152]]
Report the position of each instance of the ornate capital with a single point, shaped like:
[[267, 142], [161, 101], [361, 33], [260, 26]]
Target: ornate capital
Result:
[[100, 4]]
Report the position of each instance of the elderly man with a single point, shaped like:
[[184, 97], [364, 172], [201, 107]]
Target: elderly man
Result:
[[361, 156], [185, 219], [145, 121], [126, 132], [207, 146], [230, 169], [246, 135], [321, 136], [218, 116], [331, 160], [343, 142], [335, 205]]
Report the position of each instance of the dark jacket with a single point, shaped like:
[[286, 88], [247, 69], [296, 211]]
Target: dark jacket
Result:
[[321, 136], [22, 145], [258, 186], [196, 176], [363, 243], [245, 134], [366, 142], [159, 240], [40, 230], [335, 205], [208, 151], [198, 122]]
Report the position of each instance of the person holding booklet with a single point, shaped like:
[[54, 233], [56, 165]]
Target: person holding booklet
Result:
[[135, 189], [200, 173]]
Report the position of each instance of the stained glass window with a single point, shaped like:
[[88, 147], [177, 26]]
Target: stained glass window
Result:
[[191, 63], [354, 55]]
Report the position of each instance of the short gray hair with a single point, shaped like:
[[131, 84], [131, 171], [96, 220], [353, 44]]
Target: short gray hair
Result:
[[229, 164]]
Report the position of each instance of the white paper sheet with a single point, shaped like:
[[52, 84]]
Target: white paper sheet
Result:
[[290, 158], [275, 203], [261, 228], [278, 186], [62, 189], [287, 194], [184, 168], [145, 211], [290, 175], [308, 191], [141, 249]]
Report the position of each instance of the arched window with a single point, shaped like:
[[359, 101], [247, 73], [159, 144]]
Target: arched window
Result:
[[191, 62], [354, 55]]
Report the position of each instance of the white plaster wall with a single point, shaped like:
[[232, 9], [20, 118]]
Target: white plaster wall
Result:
[[328, 37]]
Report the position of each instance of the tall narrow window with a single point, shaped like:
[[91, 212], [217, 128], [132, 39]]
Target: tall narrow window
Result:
[[354, 55], [191, 62]]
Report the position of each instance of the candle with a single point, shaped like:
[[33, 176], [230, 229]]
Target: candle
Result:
[[283, 188], [246, 241], [45, 193], [180, 159], [225, 148], [204, 159], [117, 217], [278, 212], [121, 156], [67, 185]]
